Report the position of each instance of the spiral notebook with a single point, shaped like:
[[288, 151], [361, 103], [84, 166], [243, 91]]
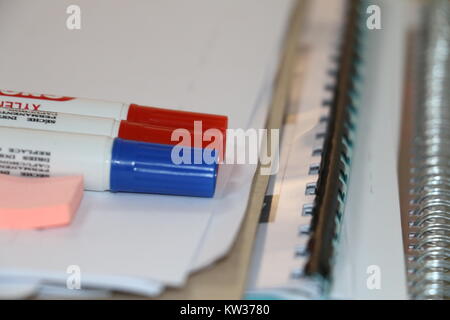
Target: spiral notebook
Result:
[[428, 218], [321, 227], [317, 151]]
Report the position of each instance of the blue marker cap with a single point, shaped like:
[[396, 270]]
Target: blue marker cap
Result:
[[149, 168]]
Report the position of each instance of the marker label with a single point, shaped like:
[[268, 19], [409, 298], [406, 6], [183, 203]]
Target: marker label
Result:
[[36, 153], [55, 121], [38, 102]]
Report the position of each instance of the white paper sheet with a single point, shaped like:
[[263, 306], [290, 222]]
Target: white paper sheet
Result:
[[202, 55]]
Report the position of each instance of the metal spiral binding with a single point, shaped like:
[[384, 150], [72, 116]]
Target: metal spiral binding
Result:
[[429, 218], [331, 187]]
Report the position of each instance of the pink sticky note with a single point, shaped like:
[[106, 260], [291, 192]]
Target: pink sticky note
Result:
[[29, 203]]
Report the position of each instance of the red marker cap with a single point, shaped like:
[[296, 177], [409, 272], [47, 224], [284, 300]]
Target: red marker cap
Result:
[[163, 135], [175, 118]]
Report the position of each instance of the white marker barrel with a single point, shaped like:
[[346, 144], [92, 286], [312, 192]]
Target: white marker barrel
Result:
[[42, 102], [56, 121], [38, 153]]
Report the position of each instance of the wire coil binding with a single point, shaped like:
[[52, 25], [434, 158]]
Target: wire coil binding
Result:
[[429, 217]]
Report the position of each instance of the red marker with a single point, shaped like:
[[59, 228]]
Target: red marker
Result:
[[163, 118], [73, 123]]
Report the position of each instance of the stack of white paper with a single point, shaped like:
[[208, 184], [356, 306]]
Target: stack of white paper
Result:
[[202, 55]]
